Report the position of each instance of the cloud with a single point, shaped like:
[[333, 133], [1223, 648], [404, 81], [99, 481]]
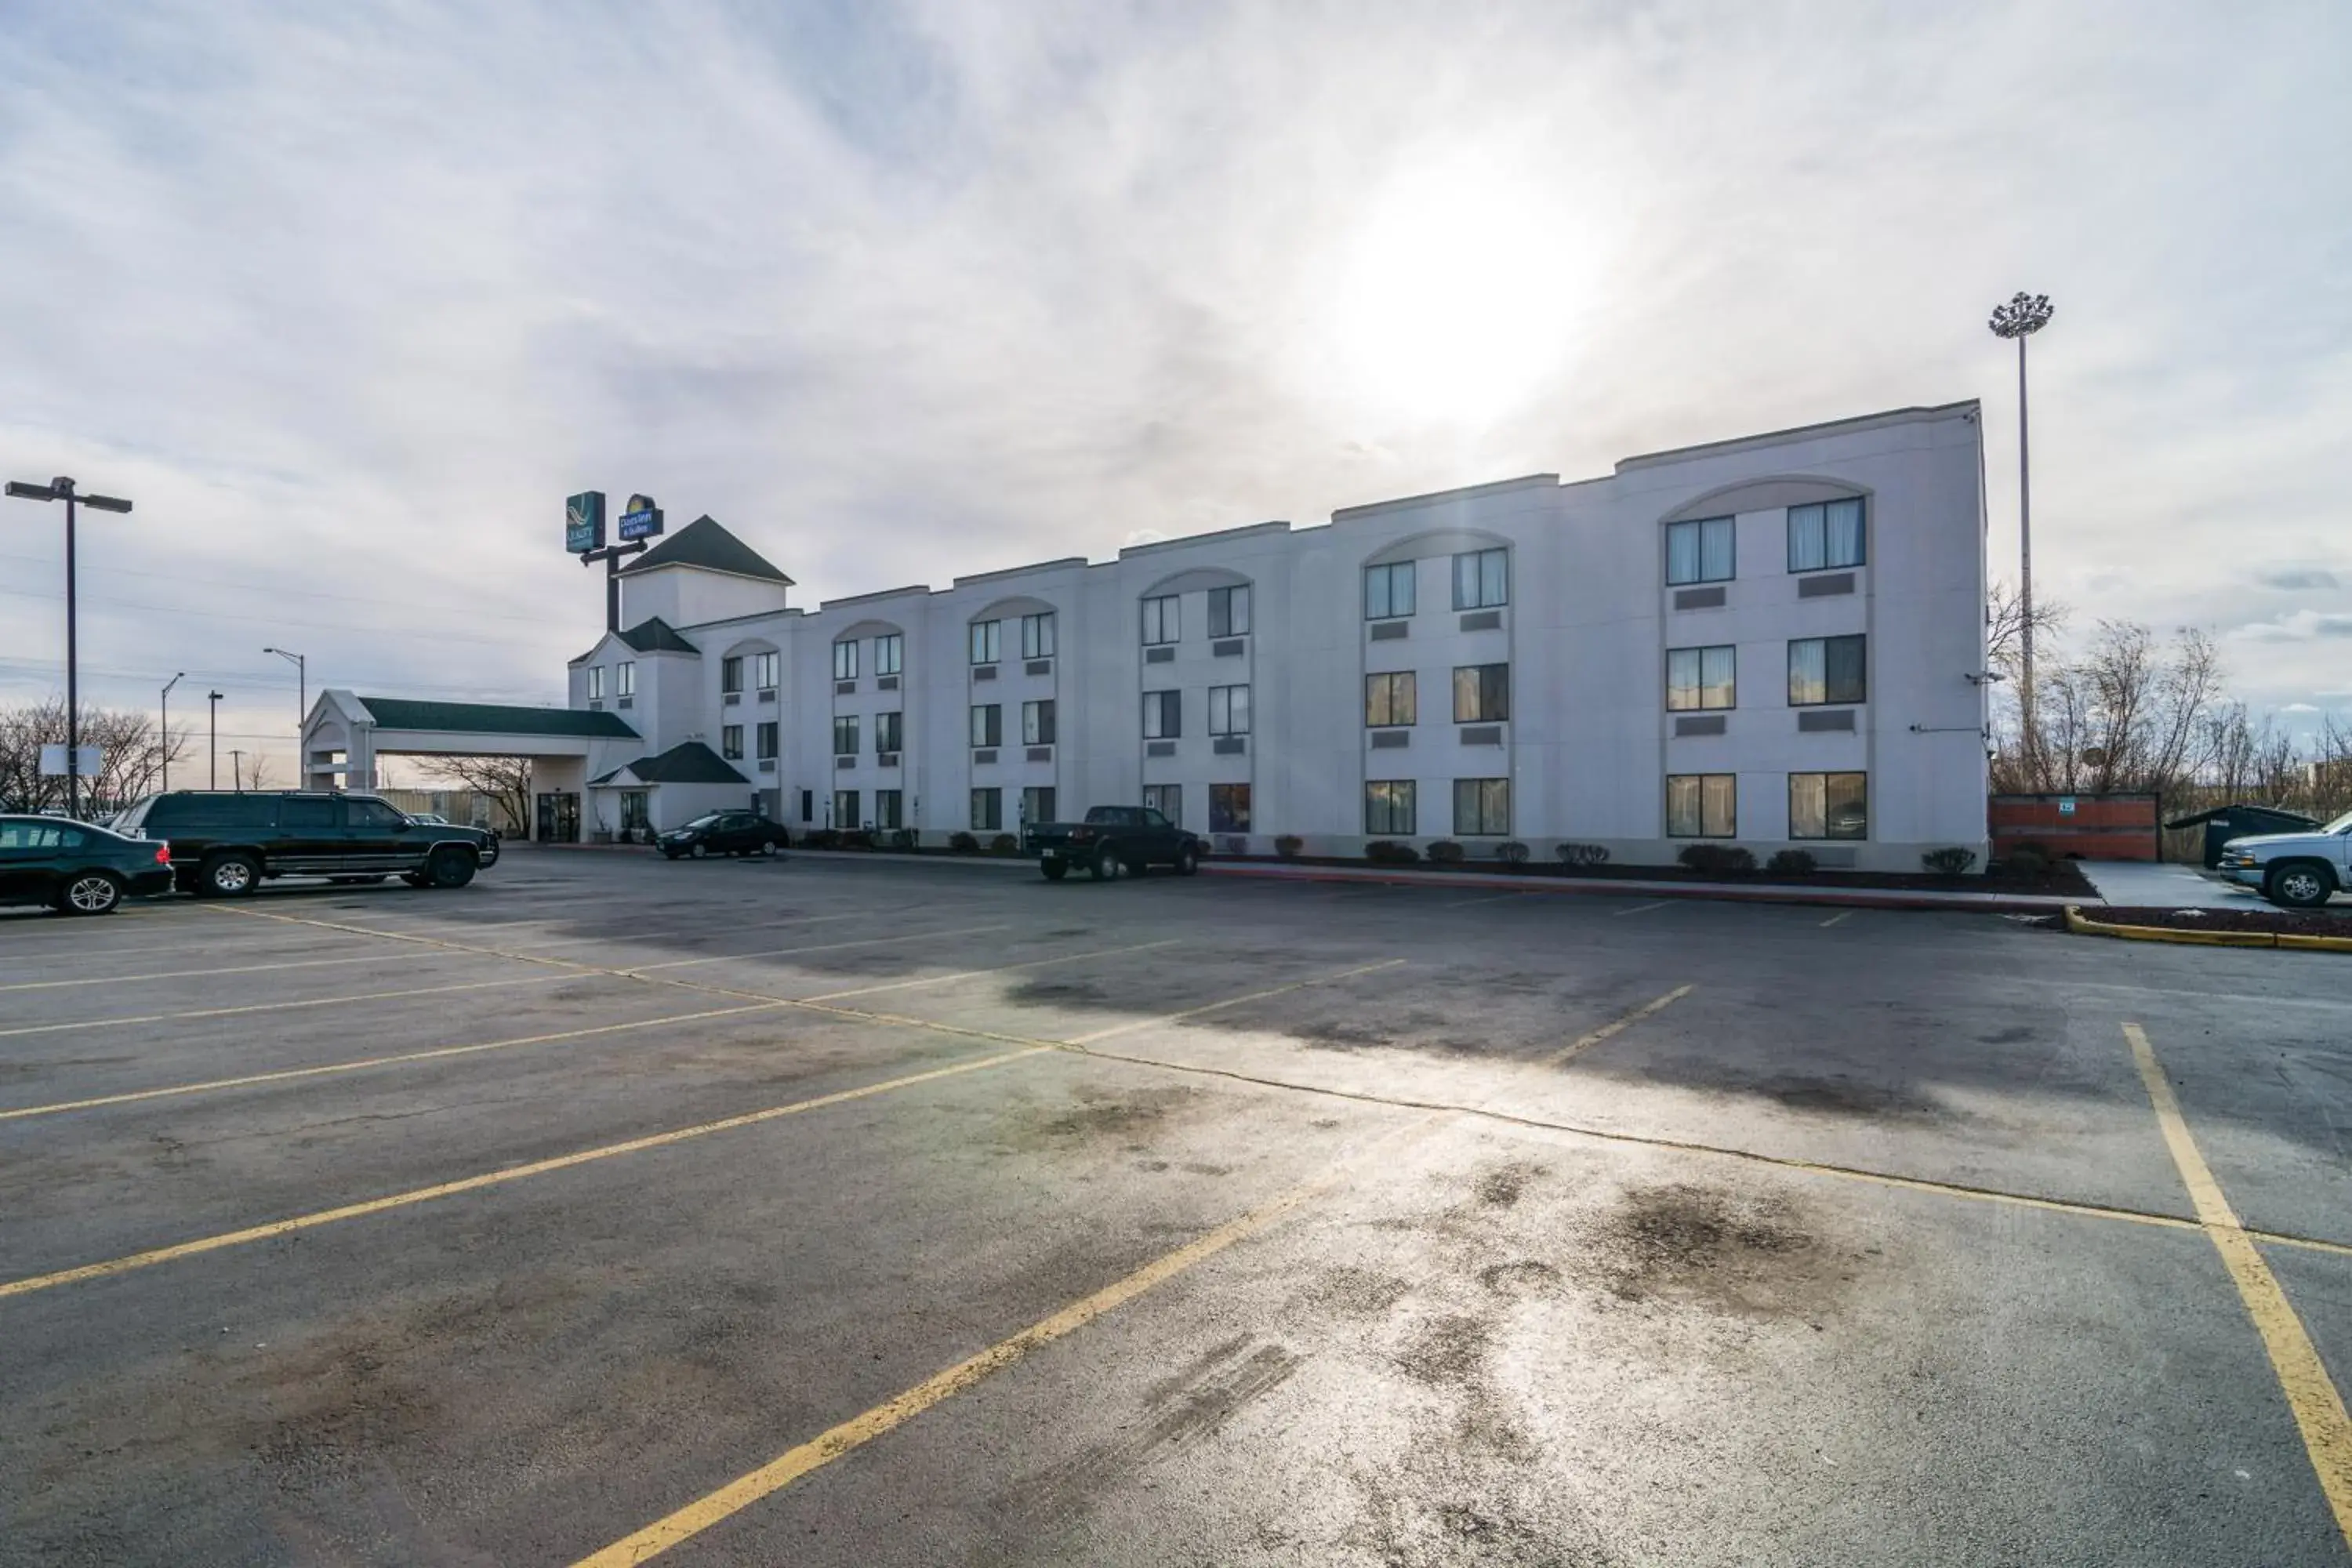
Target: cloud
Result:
[[2297, 578], [2300, 627]]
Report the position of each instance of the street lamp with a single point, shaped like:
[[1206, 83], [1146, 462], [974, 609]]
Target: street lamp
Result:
[[62, 489], [302, 715], [167, 727], [212, 743], [2024, 315]]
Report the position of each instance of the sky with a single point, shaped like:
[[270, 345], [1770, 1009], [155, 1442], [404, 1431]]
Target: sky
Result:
[[349, 298]]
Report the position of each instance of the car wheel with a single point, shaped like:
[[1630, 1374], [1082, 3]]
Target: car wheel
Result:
[[1055, 870], [700, 850], [767, 847], [90, 893], [2298, 885], [228, 875], [450, 867], [1108, 866], [1187, 861]]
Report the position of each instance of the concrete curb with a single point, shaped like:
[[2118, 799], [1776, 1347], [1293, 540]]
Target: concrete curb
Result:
[[1733, 892], [2295, 941]]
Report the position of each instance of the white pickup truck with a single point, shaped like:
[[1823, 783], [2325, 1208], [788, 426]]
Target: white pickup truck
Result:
[[2294, 870]]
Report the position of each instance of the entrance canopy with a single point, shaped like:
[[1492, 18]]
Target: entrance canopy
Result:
[[345, 734]]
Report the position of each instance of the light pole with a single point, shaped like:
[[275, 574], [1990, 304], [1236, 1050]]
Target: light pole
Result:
[[2024, 315], [302, 714], [237, 769], [167, 729], [62, 489], [212, 743]]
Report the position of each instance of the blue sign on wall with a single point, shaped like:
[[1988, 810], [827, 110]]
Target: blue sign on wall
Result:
[[642, 521], [583, 522]]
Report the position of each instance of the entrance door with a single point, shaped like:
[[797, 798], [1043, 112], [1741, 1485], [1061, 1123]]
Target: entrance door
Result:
[[559, 818]]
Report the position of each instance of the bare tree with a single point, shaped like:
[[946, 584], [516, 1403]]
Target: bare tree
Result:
[[256, 772], [505, 781], [130, 756]]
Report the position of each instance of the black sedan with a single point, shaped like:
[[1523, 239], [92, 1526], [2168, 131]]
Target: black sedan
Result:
[[724, 833], [76, 869]]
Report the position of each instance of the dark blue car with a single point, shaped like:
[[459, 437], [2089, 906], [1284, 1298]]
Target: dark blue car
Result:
[[76, 869]]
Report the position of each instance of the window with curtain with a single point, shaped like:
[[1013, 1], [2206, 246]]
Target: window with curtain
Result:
[[730, 741], [767, 735], [1037, 804], [1702, 805], [844, 734], [1229, 808], [1388, 808], [625, 677], [1161, 623], [1229, 711], [889, 731], [987, 810], [731, 673], [988, 724], [1700, 678], [1390, 700], [1037, 723], [1037, 635], [1824, 535], [985, 642], [844, 660], [1827, 669], [1229, 612], [889, 808], [765, 666], [1388, 591], [845, 809], [1829, 805], [1163, 716], [1167, 800], [1482, 579], [890, 653], [1700, 551], [1482, 693], [1482, 808]]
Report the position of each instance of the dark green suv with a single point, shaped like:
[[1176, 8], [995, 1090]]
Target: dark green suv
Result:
[[224, 843]]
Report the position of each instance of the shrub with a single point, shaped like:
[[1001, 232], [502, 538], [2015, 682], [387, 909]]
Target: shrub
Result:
[[1445, 852], [1511, 852], [1583, 854], [821, 838], [1716, 859], [1387, 851], [1791, 863], [1004, 844], [857, 838], [1951, 862], [964, 843], [1289, 845], [2028, 860]]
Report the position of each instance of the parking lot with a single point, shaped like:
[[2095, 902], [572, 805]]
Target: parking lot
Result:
[[845, 1212]]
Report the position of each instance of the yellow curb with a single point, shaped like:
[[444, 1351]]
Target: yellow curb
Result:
[[2081, 926]]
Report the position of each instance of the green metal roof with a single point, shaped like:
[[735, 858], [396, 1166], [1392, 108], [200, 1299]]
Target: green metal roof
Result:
[[688, 761], [494, 719], [654, 635], [704, 543]]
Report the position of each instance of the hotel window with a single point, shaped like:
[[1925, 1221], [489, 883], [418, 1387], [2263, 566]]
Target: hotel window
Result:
[[889, 809], [1164, 715], [1229, 612], [1229, 808], [1482, 808], [731, 673], [988, 724], [1037, 723], [1482, 579], [1702, 805], [844, 810], [1037, 635], [595, 682], [1699, 552], [1482, 693], [1827, 669], [890, 653], [625, 677], [1829, 805], [1388, 808], [764, 666], [889, 731], [766, 736], [988, 810], [1825, 535], [984, 641], [844, 660], [1229, 712], [1037, 804], [1388, 591], [730, 741], [1390, 700], [1700, 678], [1167, 800], [1160, 622], [844, 734]]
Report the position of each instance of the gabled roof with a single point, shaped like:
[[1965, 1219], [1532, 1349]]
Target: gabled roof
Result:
[[688, 761], [654, 635], [704, 544], [493, 719]]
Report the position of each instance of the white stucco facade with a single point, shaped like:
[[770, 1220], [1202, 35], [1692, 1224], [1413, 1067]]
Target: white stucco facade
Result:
[[1576, 741]]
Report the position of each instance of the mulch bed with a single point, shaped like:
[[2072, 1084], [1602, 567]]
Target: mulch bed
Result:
[[2061, 880], [2291, 922]]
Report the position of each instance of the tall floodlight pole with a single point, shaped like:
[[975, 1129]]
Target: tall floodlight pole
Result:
[[302, 713], [166, 731], [62, 489], [2024, 315], [212, 743]]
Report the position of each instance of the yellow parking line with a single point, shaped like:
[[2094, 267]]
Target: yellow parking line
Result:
[[436, 1053], [1488, 899], [1833, 919], [999, 969], [282, 1007], [1130, 1028], [1583, 1043], [822, 947], [2311, 1394], [487, 1179], [1640, 908], [190, 973]]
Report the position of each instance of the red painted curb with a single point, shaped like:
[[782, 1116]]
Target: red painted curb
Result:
[[1848, 898]]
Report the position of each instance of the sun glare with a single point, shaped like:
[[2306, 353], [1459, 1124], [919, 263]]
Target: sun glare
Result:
[[1453, 300]]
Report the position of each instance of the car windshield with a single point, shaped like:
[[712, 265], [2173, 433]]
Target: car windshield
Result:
[[708, 820], [2341, 825]]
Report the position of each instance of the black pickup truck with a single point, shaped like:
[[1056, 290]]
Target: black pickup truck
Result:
[[1113, 841]]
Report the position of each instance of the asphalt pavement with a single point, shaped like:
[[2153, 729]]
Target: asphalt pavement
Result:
[[841, 1213]]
